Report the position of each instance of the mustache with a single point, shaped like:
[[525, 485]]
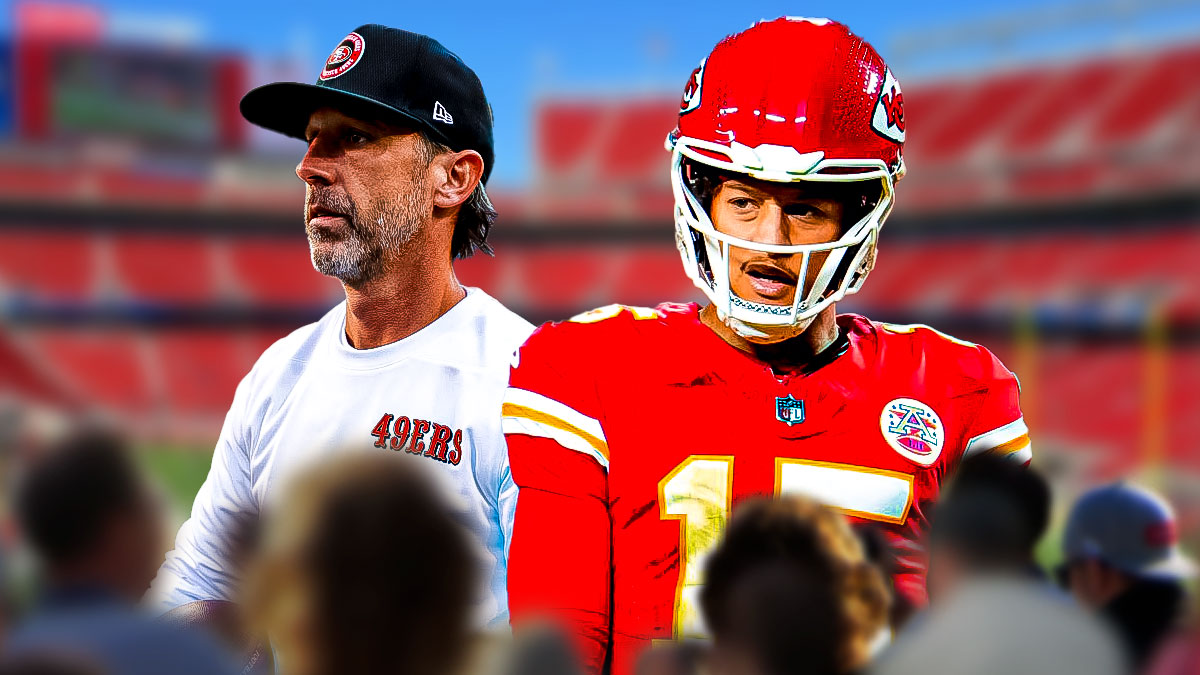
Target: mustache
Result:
[[771, 267], [333, 201]]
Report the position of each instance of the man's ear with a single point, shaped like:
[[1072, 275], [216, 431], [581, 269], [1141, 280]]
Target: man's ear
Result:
[[461, 172]]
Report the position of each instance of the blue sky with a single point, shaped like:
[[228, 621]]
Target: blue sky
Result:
[[526, 50]]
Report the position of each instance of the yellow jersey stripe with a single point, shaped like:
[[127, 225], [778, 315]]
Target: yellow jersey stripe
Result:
[[523, 412]]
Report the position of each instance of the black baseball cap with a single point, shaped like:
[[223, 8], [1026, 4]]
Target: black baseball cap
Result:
[[384, 73]]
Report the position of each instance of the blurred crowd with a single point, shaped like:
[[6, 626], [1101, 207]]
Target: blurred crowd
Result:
[[362, 568]]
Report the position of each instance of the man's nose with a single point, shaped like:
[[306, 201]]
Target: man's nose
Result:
[[771, 227], [316, 168]]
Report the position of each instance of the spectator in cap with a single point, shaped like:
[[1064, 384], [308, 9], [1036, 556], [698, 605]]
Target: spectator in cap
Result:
[[93, 527], [1122, 560], [987, 523], [412, 365]]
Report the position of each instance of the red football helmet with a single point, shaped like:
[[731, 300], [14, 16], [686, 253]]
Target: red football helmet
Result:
[[794, 99]]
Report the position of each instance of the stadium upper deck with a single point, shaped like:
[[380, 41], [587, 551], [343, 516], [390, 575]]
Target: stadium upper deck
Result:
[[1067, 197]]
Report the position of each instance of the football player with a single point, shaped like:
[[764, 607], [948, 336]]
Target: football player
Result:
[[633, 432]]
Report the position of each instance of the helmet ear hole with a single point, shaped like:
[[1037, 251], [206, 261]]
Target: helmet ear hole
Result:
[[703, 264], [864, 267], [702, 181]]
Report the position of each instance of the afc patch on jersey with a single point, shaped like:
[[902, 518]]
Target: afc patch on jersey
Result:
[[913, 429]]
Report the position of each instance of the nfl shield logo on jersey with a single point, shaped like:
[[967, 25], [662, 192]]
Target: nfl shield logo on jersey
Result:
[[913, 429], [788, 409]]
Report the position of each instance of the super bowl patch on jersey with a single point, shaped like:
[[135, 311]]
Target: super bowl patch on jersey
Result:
[[913, 429]]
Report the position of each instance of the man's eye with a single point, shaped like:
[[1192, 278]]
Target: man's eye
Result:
[[355, 138], [800, 210], [741, 202]]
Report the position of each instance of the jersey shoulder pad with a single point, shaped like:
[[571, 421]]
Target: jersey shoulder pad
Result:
[[943, 351], [604, 330]]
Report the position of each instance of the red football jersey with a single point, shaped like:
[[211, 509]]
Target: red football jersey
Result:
[[633, 432]]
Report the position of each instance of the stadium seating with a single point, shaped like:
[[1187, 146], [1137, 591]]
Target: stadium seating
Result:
[[1073, 92], [165, 268], [1169, 80], [278, 271], [201, 369], [1109, 125], [46, 265], [1113, 126], [100, 365]]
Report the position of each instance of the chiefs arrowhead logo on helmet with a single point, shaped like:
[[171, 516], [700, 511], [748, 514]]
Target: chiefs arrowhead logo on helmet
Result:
[[691, 92], [888, 118]]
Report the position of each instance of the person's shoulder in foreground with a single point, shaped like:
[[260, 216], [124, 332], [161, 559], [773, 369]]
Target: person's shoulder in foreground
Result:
[[119, 639], [1000, 626], [89, 520]]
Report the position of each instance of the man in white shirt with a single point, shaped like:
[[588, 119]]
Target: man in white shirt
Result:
[[412, 363]]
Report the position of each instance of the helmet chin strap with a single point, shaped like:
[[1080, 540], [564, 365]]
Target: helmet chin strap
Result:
[[765, 335]]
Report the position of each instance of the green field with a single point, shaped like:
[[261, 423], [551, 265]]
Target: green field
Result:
[[178, 470]]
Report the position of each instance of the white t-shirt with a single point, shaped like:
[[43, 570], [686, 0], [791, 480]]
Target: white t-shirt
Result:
[[312, 394]]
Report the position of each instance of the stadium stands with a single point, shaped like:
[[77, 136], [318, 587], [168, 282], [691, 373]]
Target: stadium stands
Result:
[[53, 265], [162, 323], [277, 271], [102, 365], [165, 269]]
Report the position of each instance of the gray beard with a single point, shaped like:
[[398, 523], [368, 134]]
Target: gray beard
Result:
[[361, 256]]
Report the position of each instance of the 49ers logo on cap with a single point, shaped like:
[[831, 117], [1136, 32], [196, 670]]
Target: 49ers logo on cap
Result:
[[344, 56]]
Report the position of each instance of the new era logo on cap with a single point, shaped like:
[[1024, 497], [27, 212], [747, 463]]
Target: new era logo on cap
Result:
[[441, 114]]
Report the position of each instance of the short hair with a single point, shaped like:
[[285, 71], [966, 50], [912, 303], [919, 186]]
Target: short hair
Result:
[[390, 573], [72, 491], [792, 584], [475, 216], [992, 513]]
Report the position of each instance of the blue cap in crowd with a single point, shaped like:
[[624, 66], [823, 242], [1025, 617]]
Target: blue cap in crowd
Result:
[[1129, 528]]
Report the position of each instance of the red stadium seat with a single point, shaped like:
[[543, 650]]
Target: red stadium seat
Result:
[[278, 270], [104, 366], [559, 280], [1073, 92], [48, 265], [926, 104], [1093, 397], [201, 369], [1183, 399], [987, 108], [652, 276], [164, 268], [566, 131], [482, 271], [633, 147], [1170, 79]]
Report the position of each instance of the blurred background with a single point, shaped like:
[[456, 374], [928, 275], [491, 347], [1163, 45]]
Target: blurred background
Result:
[[151, 242]]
